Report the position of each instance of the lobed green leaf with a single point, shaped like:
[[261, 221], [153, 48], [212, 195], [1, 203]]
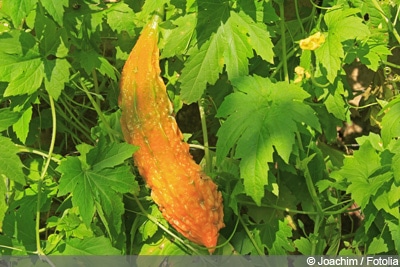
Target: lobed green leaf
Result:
[[89, 246], [18, 10], [10, 164], [233, 37], [8, 118], [276, 236], [202, 68], [330, 55], [342, 25], [275, 109], [120, 17], [98, 176], [391, 124], [55, 9], [21, 127]]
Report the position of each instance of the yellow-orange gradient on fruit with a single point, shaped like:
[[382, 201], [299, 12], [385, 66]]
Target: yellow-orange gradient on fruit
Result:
[[188, 199]]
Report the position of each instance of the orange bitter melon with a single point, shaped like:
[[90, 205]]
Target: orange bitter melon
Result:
[[188, 199]]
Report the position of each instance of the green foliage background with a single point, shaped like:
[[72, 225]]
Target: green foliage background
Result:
[[67, 182]]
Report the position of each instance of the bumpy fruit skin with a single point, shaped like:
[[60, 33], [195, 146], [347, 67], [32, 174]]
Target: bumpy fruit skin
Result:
[[187, 198]]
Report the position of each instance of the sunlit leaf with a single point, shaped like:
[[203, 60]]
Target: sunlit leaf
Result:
[[91, 60], [336, 105], [120, 17], [346, 24], [364, 174], [330, 55], [55, 9], [202, 68], [164, 246], [391, 124], [232, 41], [238, 51], [378, 245], [396, 162], [21, 63], [176, 41], [343, 24], [18, 10], [21, 127], [106, 156], [258, 36], [57, 74], [275, 109], [10, 164], [8, 118], [276, 236], [90, 246], [394, 228], [101, 179], [211, 15]]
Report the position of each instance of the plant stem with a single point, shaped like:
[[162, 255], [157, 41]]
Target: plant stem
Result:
[[207, 155], [299, 141], [296, 5], [73, 112], [316, 229], [314, 196], [282, 63], [43, 174], [96, 86], [249, 234], [77, 124], [313, 192], [74, 122], [325, 211], [391, 64], [24, 149], [385, 18], [111, 133], [199, 146], [348, 236], [232, 234], [283, 39]]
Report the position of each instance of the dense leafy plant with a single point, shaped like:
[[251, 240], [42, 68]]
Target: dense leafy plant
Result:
[[268, 78]]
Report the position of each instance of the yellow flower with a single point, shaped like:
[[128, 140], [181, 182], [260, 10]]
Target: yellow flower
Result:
[[312, 42], [300, 74]]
